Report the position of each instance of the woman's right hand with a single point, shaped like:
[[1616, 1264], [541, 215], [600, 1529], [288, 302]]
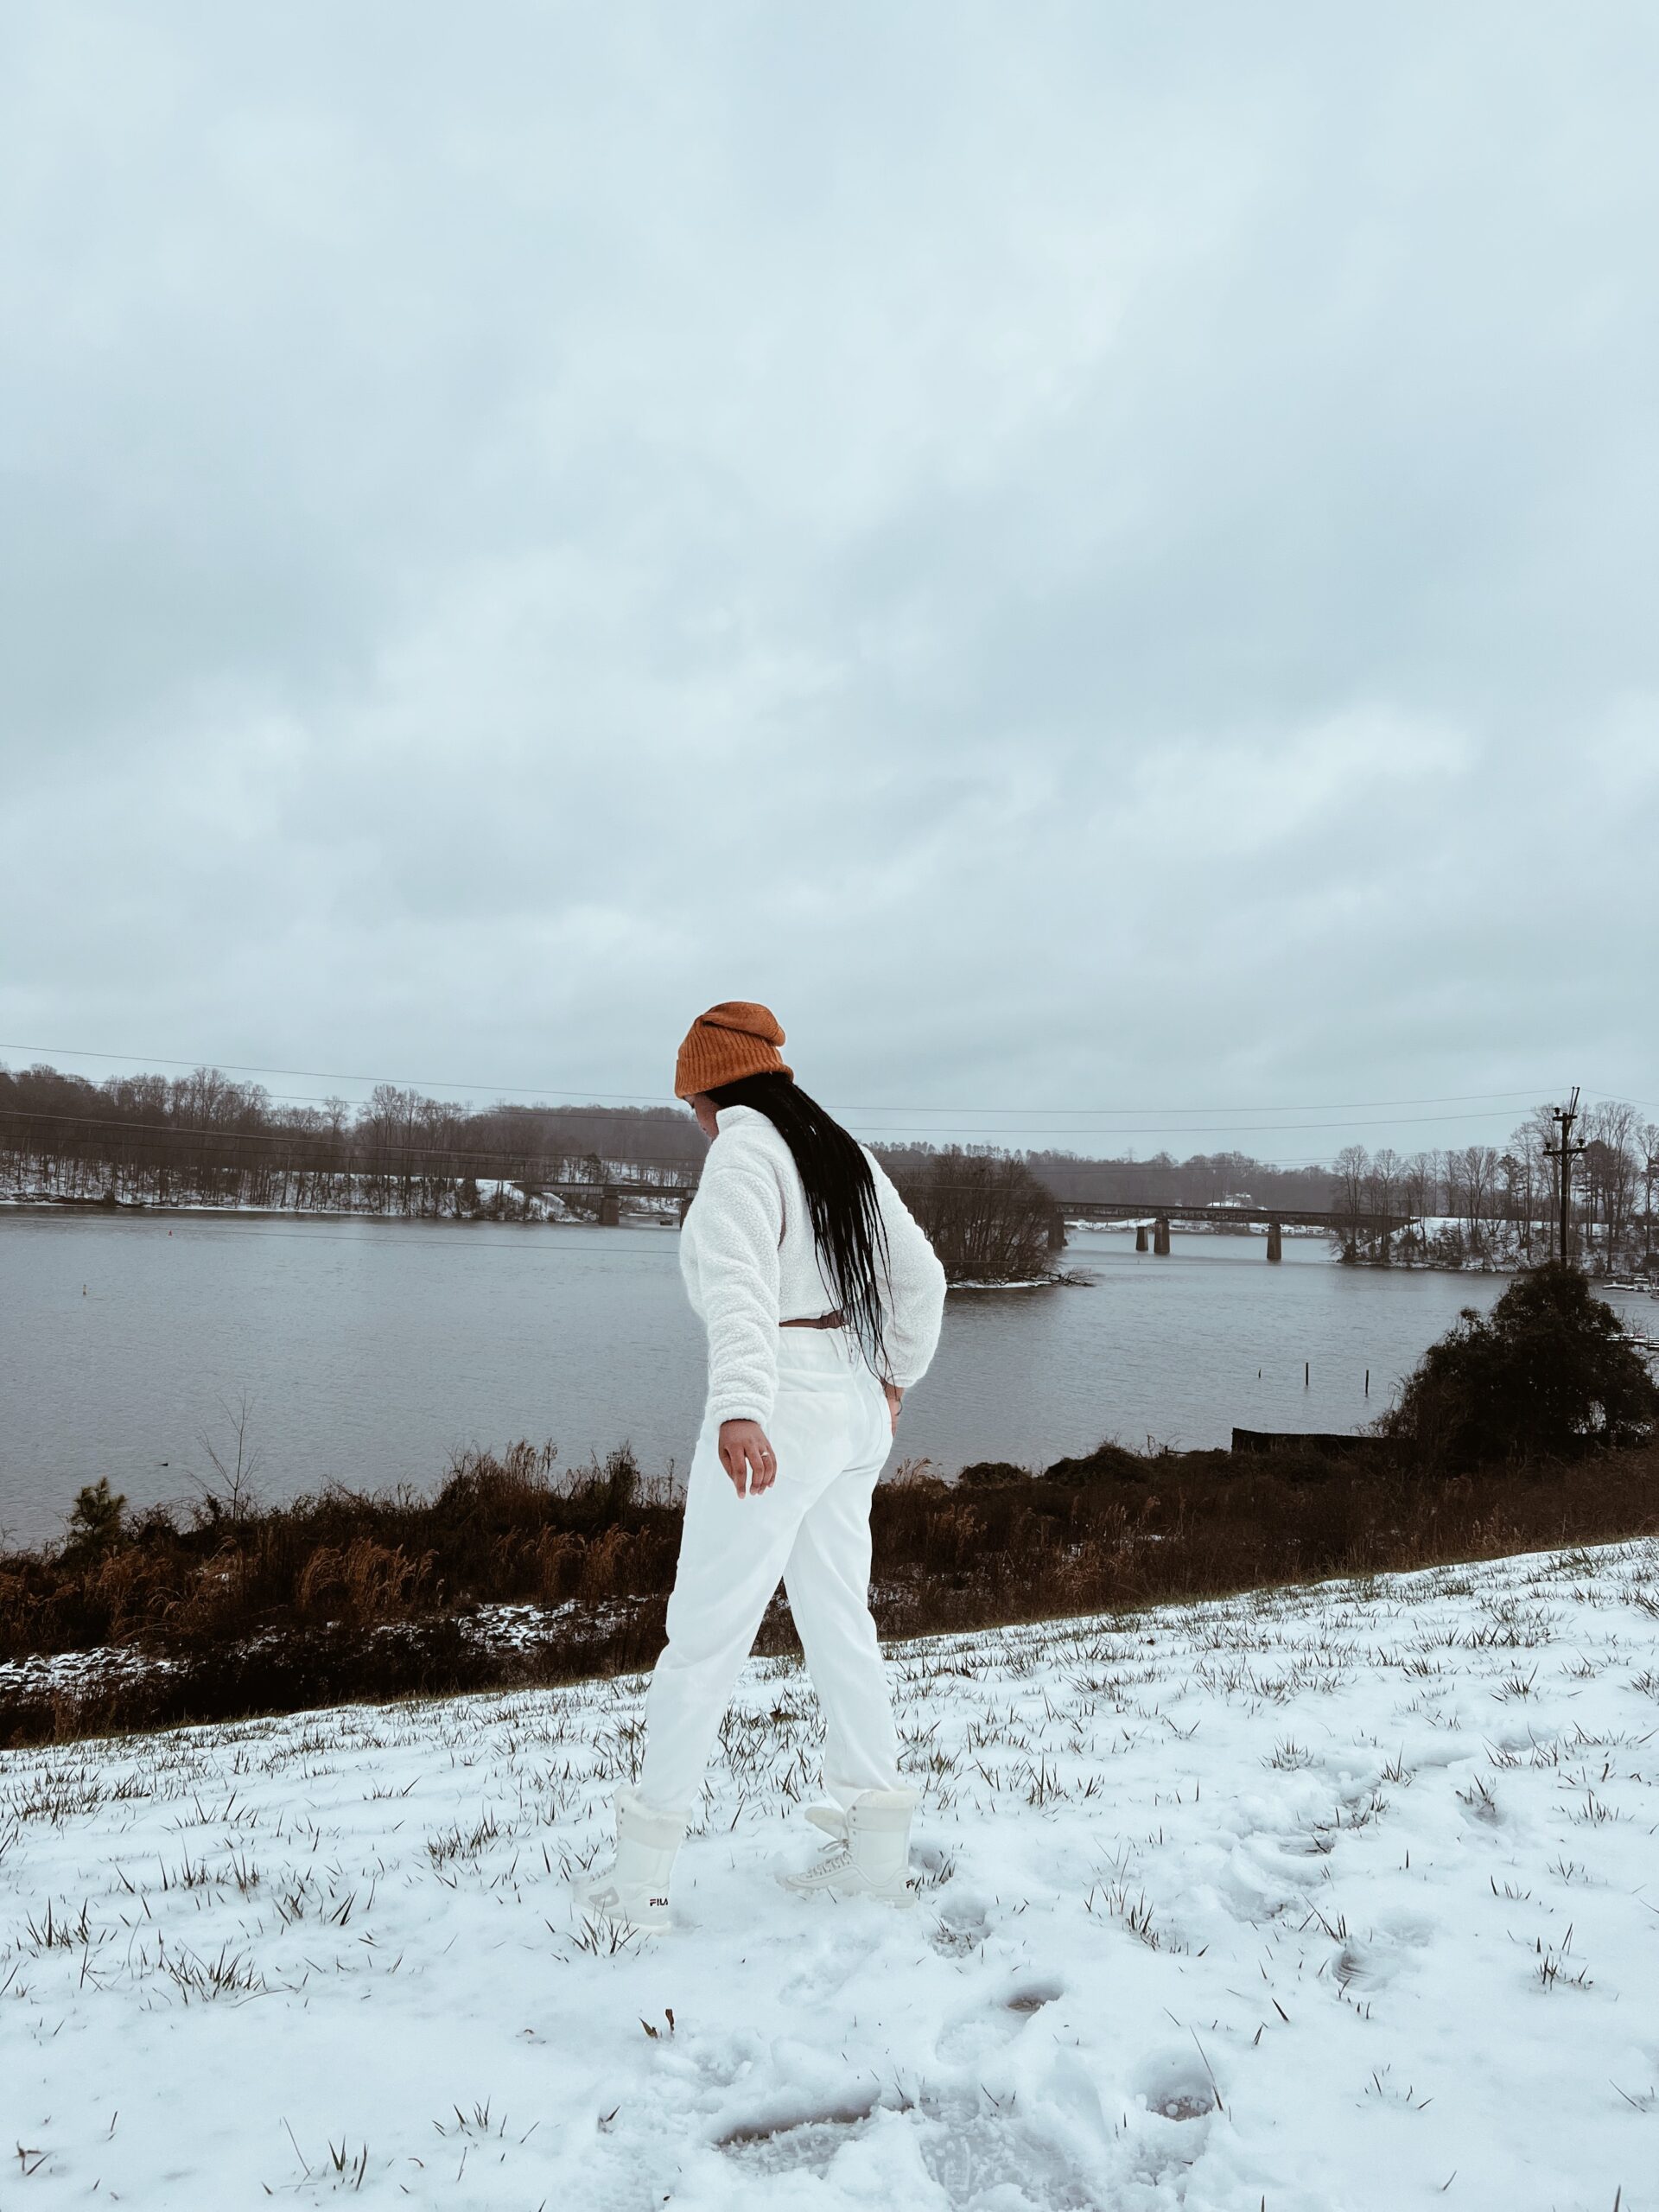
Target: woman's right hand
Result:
[[748, 1457]]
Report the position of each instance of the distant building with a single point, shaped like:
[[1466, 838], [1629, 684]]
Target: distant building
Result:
[[1234, 1199]]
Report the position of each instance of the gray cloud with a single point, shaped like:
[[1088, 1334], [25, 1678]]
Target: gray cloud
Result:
[[1094, 557]]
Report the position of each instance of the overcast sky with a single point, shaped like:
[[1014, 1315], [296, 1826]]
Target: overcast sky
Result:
[[1095, 557]]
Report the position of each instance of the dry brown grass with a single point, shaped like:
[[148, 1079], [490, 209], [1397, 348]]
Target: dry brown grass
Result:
[[345, 1597]]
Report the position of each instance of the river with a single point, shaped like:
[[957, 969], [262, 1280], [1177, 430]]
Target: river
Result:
[[369, 1351]]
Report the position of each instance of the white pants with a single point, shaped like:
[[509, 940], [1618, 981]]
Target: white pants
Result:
[[830, 1431]]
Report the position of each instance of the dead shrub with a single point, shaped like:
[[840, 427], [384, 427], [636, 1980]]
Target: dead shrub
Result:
[[361, 1581], [557, 1566], [333, 1581]]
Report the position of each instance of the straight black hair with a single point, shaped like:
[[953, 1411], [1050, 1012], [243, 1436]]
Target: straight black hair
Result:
[[848, 1233]]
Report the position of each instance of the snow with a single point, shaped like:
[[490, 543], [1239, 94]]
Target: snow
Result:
[[1330, 1898]]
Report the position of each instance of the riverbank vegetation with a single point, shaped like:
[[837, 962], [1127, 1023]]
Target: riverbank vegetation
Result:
[[1536, 1426], [986, 1214], [512, 1571]]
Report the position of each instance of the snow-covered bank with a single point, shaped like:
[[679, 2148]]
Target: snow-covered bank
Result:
[[1337, 1897]]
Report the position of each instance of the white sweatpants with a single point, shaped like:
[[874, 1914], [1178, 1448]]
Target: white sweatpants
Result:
[[830, 1431]]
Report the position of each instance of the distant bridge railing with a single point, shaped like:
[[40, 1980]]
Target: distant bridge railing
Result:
[[1160, 1212]]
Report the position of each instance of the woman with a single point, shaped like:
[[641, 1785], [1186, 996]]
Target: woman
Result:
[[822, 1300]]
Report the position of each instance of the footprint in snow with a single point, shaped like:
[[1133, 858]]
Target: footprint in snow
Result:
[[1174, 2085], [963, 1928]]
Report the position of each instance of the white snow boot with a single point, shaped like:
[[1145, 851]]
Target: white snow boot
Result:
[[868, 1854], [634, 1894]]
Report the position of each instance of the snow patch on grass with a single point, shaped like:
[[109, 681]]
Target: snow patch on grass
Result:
[[1337, 1896]]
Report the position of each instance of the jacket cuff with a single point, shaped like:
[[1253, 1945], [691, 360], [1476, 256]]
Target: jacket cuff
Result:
[[739, 1407]]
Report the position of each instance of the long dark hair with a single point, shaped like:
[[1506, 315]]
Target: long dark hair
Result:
[[848, 1233]]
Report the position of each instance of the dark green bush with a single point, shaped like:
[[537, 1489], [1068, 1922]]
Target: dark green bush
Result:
[[1546, 1374]]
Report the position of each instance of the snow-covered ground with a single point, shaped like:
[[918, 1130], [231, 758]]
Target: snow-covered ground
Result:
[[1333, 1898]]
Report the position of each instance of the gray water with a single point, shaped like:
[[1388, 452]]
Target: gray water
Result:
[[369, 1351]]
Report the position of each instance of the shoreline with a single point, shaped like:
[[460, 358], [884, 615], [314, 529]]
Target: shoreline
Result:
[[63, 1207]]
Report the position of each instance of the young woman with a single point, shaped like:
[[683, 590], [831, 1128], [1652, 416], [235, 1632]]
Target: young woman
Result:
[[822, 1300]]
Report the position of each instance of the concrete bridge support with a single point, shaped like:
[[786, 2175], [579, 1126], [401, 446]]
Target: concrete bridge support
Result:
[[1140, 1237], [1275, 1240], [1057, 1231], [610, 1209], [1160, 1238]]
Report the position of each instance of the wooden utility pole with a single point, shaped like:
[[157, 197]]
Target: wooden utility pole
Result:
[[1564, 1118]]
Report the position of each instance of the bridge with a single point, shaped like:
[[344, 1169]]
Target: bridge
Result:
[[608, 1196], [1162, 1211]]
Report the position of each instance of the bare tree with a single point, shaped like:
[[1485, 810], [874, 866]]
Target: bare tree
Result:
[[1382, 1184], [1352, 1168], [1610, 1174], [1648, 1137], [227, 1493]]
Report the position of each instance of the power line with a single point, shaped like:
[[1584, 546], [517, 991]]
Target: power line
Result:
[[655, 1098], [338, 1075], [893, 1140]]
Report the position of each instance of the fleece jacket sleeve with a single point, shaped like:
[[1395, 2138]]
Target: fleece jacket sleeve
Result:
[[917, 1302], [740, 1213]]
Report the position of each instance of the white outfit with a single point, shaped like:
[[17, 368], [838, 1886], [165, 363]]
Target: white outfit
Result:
[[748, 1260]]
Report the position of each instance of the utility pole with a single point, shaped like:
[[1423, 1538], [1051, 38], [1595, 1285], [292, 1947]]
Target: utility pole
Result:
[[1564, 1118]]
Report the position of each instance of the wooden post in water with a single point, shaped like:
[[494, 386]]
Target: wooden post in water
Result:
[[1275, 1240], [1140, 1236], [1160, 1236]]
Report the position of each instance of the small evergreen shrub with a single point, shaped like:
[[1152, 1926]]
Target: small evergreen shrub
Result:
[[1546, 1374], [97, 1521]]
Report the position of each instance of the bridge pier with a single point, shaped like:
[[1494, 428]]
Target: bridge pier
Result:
[[1057, 1231], [1275, 1240], [1160, 1238], [1140, 1237], [610, 1209]]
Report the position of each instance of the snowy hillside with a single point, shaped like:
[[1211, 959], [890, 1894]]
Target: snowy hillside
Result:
[[1342, 1898]]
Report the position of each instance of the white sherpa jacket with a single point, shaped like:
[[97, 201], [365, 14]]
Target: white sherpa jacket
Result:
[[747, 1257]]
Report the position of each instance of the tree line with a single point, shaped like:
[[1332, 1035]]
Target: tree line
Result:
[[1490, 1205], [205, 1139]]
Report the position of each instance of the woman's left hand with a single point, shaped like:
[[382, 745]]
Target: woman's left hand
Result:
[[895, 1398]]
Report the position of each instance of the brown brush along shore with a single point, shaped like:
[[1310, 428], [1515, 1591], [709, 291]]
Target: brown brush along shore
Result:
[[224, 1614]]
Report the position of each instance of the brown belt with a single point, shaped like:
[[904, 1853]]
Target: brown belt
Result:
[[836, 1320]]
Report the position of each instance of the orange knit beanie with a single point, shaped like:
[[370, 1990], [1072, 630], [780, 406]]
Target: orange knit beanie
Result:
[[734, 1038]]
